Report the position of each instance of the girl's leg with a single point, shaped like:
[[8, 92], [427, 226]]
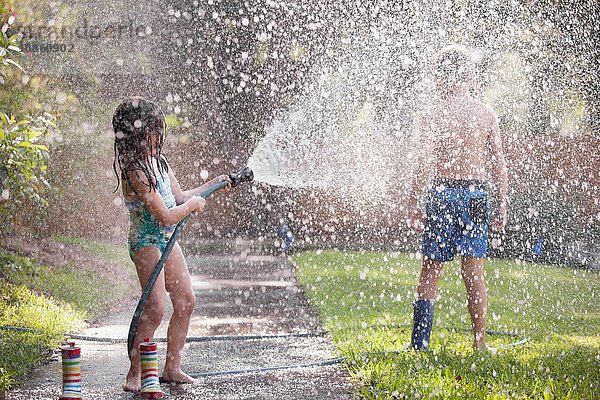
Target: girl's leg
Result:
[[472, 273], [145, 260], [179, 286]]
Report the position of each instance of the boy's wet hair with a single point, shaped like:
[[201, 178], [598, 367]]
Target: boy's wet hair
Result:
[[135, 122], [453, 65]]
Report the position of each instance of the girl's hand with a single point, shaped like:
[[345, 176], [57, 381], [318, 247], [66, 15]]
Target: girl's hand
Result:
[[198, 204], [221, 178]]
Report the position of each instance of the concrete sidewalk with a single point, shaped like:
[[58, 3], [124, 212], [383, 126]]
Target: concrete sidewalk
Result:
[[236, 295]]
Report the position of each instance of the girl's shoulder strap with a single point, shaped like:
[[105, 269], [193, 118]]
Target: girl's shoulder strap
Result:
[[146, 176]]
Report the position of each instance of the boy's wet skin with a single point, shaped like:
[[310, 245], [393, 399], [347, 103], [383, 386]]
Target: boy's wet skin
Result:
[[462, 130], [465, 143], [460, 144]]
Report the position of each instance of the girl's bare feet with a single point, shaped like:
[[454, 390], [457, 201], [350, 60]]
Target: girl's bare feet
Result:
[[177, 376], [133, 382]]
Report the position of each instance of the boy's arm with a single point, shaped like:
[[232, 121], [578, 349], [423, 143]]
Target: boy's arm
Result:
[[156, 205], [424, 150], [499, 172]]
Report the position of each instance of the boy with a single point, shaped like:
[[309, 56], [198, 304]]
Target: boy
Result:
[[461, 147]]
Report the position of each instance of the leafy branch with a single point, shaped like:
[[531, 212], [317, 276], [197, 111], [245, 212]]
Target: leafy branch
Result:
[[9, 47], [23, 155]]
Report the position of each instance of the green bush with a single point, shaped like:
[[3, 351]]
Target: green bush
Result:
[[24, 159], [23, 156]]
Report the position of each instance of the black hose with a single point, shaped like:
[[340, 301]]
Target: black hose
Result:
[[319, 363]]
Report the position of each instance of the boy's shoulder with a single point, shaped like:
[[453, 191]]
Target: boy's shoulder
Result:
[[485, 112], [485, 109]]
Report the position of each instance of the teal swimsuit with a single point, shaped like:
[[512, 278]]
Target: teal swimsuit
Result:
[[144, 229]]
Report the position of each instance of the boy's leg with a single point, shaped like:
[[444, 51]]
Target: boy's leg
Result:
[[145, 260], [438, 246], [472, 273], [423, 306], [179, 286], [428, 281]]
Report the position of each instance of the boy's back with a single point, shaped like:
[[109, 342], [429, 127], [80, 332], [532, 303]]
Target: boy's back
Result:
[[461, 131]]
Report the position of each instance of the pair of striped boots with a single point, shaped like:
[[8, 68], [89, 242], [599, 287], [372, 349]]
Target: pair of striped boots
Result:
[[71, 365]]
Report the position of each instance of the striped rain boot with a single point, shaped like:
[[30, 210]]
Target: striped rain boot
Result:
[[149, 364], [71, 367]]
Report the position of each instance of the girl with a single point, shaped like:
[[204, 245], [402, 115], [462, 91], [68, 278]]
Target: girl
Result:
[[156, 204]]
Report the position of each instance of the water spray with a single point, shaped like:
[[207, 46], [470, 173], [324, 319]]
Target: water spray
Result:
[[243, 175]]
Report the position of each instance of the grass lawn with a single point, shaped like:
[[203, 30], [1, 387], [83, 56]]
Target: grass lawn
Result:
[[118, 254], [50, 301], [556, 308]]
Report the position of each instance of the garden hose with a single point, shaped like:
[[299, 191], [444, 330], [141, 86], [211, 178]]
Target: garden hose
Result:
[[312, 364]]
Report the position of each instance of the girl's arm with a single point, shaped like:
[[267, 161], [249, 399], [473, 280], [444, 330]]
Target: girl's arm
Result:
[[182, 196], [156, 205]]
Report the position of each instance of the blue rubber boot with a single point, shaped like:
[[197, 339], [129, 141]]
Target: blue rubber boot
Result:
[[422, 323]]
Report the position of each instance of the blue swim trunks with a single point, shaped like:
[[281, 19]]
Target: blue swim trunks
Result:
[[457, 219], [144, 229]]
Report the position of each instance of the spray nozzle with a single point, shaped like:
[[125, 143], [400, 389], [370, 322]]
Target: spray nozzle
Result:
[[243, 175]]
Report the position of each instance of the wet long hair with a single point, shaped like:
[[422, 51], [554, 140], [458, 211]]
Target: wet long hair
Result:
[[136, 121]]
